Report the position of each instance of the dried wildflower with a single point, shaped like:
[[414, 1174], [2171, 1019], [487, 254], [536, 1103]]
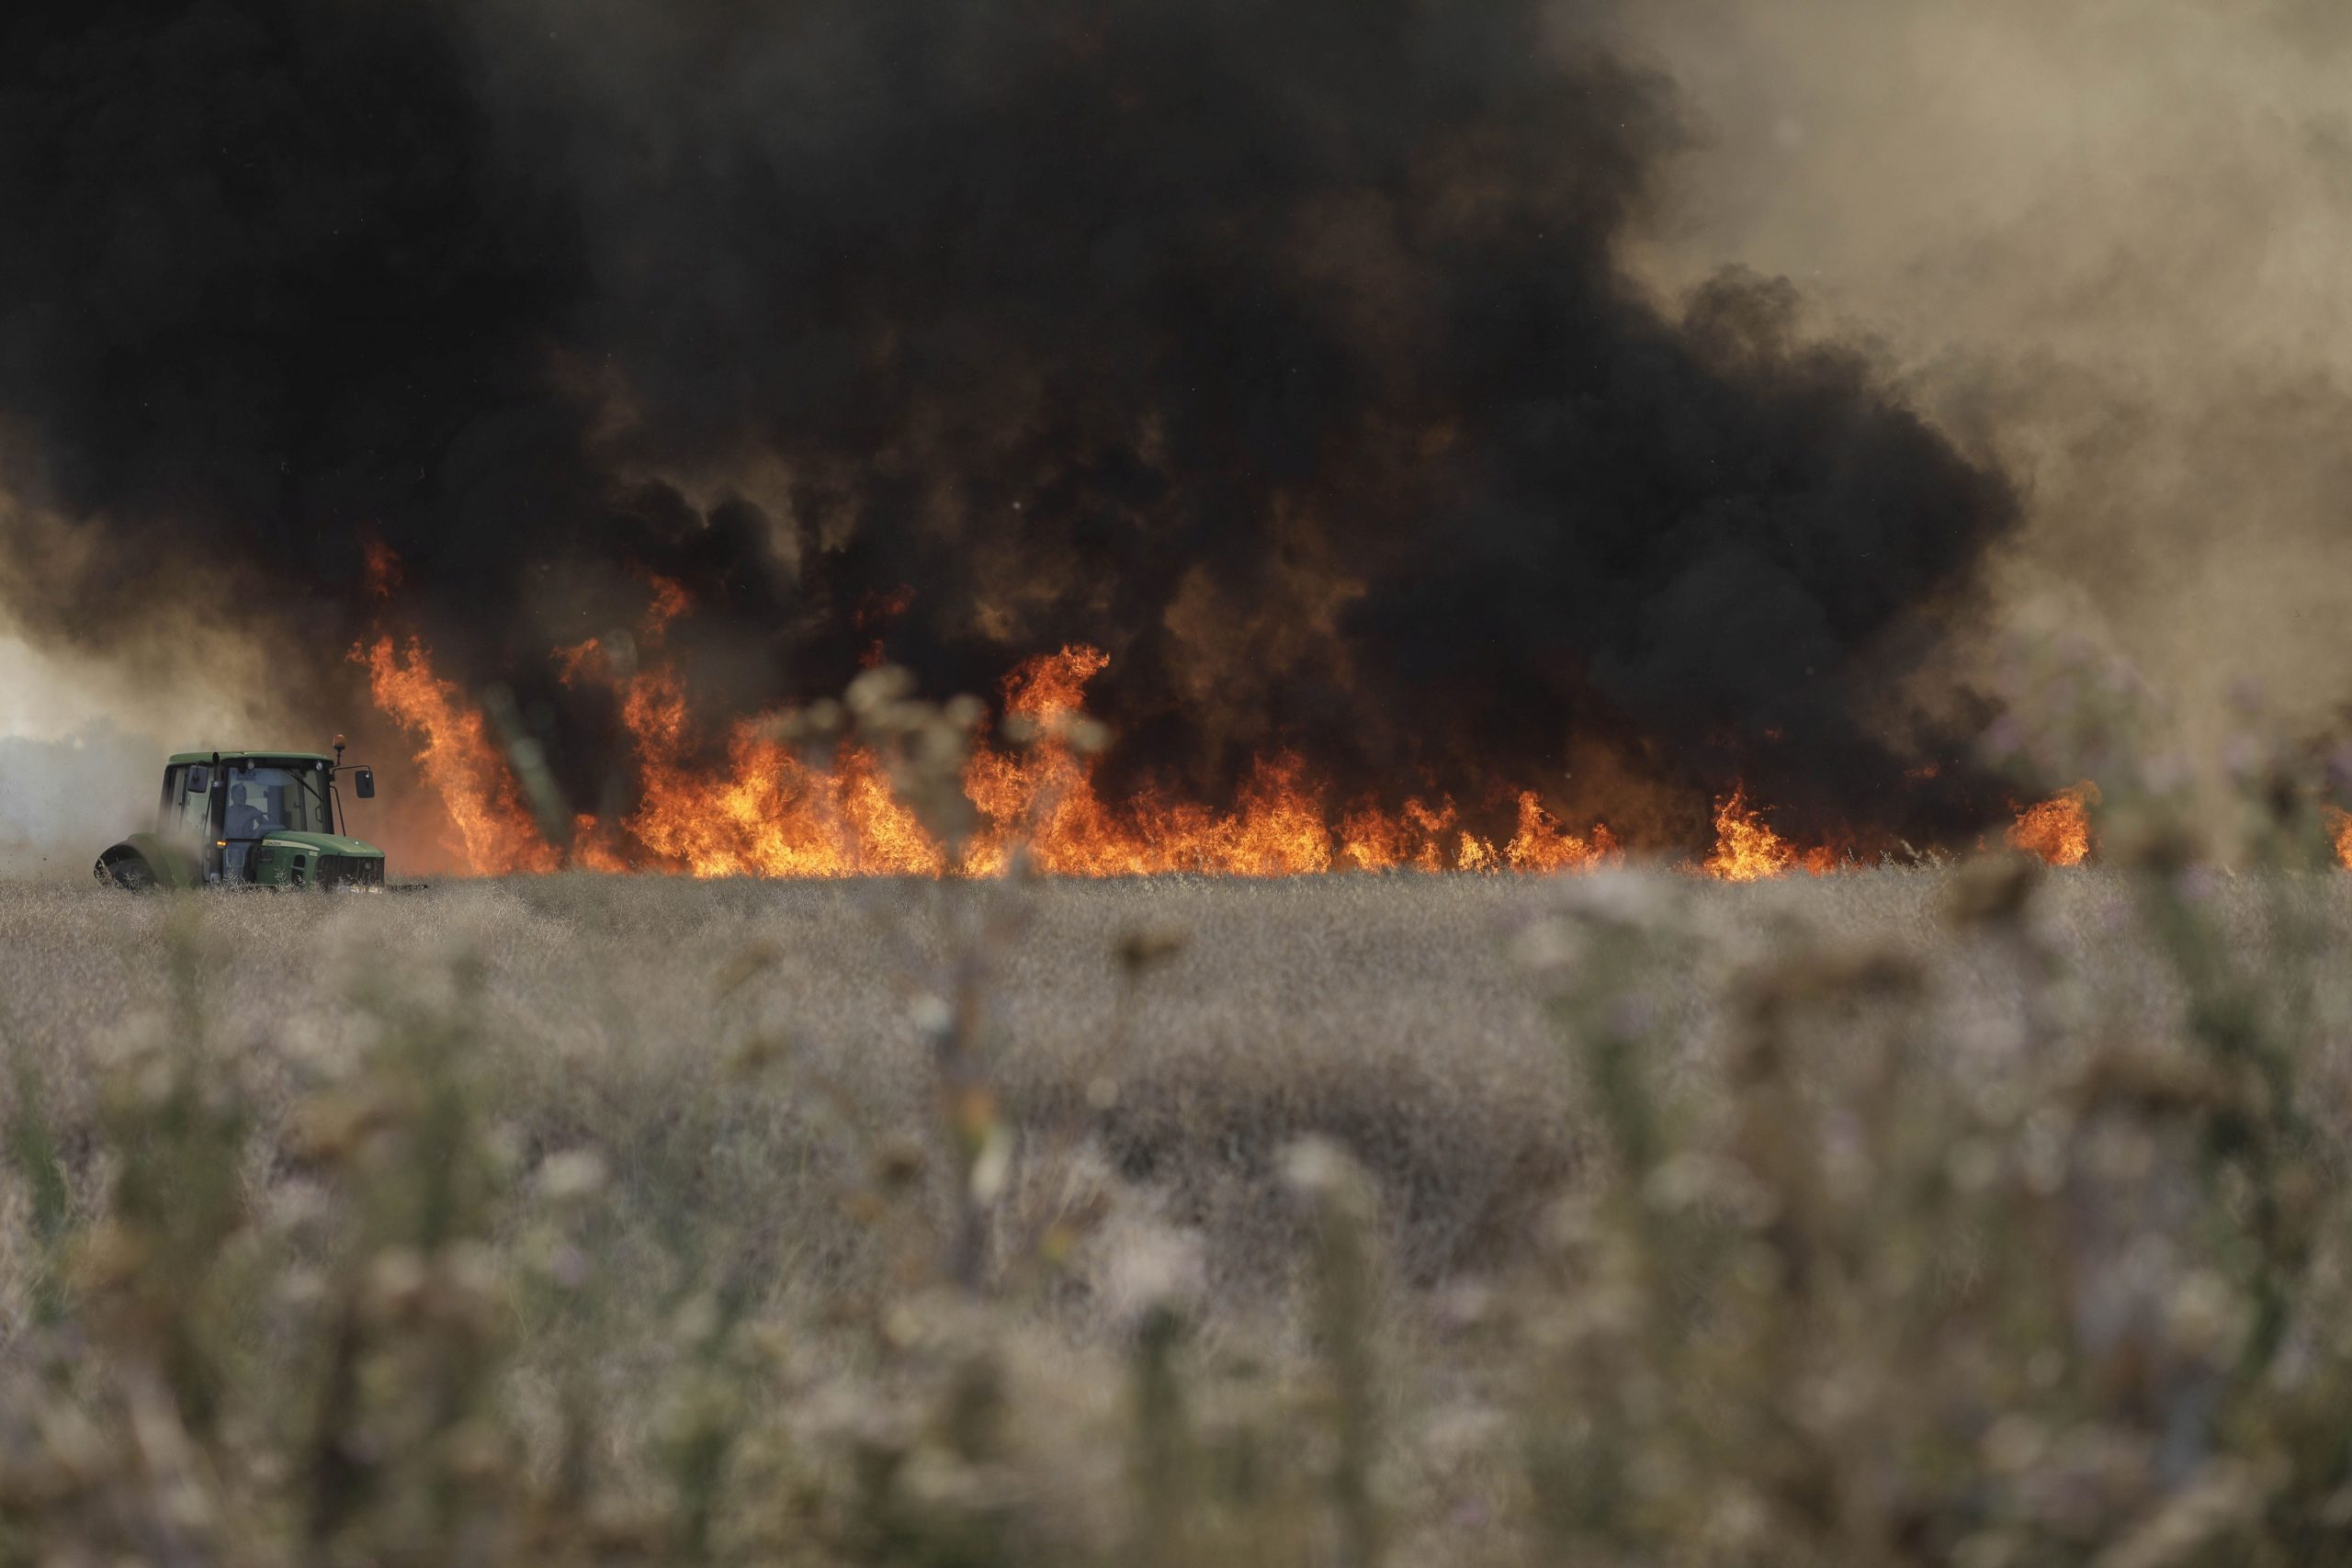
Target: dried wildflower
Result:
[[572, 1175]]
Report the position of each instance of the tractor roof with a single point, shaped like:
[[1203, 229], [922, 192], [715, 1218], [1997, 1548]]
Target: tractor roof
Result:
[[181, 758]]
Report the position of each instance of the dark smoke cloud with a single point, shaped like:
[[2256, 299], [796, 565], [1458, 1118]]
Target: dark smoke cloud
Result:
[[1281, 350]]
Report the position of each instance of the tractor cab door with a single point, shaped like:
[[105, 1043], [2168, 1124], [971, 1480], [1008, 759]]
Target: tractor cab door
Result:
[[191, 815]]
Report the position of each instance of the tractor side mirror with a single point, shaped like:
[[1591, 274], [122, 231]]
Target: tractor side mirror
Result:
[[363, 783], [199, 779]]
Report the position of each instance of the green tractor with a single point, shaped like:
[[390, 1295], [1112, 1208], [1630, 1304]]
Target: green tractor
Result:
[[249, 820]]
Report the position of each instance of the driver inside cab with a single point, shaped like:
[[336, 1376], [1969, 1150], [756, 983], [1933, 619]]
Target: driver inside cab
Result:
[[246, 820]]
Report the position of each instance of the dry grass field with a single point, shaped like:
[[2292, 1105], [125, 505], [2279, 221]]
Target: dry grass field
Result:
[[1969, 1214]]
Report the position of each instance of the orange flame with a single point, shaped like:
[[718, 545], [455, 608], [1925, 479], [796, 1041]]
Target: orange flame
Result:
[[1748, 850], [2339, 830], [457, 757], [768, 810], [1281, 824], [767, 813], [2059, 829], [1540, 845]]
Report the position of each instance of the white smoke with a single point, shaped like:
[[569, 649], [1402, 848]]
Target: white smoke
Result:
[[82, 750], [62, 801]]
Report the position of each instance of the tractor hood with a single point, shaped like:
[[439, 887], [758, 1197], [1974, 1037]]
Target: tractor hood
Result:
[[325, 843]]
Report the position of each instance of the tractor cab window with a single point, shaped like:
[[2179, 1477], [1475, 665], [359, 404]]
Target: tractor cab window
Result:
[[265, 798], [187, 812]]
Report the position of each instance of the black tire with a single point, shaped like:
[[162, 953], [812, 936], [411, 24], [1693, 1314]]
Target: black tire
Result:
[[131, 874]]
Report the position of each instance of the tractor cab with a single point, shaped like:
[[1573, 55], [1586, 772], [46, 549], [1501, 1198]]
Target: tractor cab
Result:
[[249, 818]]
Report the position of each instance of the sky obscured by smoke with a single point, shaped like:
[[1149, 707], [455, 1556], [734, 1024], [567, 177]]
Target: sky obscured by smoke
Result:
[[2107, 241], [1533, 388]]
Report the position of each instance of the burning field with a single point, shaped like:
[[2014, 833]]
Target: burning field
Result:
[[1297, 470], [772, 809], [1304, 431], [1315, 439], [1354, 782]]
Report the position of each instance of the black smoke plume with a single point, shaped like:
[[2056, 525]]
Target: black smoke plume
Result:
[[1279, 349]]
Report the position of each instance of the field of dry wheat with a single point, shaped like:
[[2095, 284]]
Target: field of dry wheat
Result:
[[1957, 1215]]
